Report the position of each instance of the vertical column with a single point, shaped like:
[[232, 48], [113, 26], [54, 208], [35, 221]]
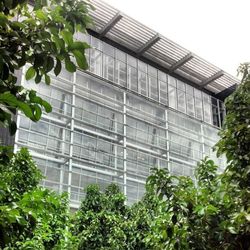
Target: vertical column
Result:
[[72, 125], [167, 138], [125, 142], [114, 145], [203, 141], [18, 117], [62, 133], [219, 116], [166, 122]]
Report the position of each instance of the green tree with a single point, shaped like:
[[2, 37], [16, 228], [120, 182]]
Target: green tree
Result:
[[31, 217], [101, 222], [213, 211], [41, 35]]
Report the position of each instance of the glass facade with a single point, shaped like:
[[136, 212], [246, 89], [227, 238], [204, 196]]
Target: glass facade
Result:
[[116, 121]]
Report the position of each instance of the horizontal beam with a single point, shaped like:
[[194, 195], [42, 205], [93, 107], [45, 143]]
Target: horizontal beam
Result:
[[182, 61], [148, 44], [212, 78], [115, 19], [226, 92]]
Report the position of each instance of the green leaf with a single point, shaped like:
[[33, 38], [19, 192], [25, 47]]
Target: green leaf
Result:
[[26, 109], [49, 64], [70, 66], [47, 79], [60, 44], [3, 20], [41, 15], [30, 73], [37, 112], [38, 78], [8, 3], [79, 46], [39, 60], [46, 106], [5, 72], [58, 67], [67, 36], [80, 59]]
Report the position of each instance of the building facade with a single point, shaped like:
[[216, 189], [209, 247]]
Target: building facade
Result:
[[129, 112]]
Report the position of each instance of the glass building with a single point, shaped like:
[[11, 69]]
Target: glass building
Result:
[[144, 102]]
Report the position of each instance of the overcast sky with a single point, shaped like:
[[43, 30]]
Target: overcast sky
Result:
[[216, 30]]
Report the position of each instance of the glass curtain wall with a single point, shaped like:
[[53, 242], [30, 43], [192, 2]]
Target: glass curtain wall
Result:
[[114, 128], [135, 75]]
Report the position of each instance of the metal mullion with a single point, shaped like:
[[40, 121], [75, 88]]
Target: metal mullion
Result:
[[219, 116], [72, 124], [96, 102], [125, 143], [95, 164], [43, 150]]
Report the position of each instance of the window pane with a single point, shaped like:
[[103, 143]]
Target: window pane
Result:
[[108, 67], [181, 101], [143, 89], [132, 78], [198, 108], [95, 65], [190, 105], [120, 73], [163, 92], [172, 96], [153, 88]]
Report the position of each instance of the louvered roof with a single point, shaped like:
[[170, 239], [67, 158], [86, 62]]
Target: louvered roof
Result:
[[147, 43]]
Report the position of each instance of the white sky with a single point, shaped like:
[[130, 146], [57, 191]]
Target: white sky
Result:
[[216, 30]]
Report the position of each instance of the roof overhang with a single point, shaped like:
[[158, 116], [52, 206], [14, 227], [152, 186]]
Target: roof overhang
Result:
[[148, 44]]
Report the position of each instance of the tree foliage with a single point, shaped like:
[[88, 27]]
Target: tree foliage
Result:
[[41, 35], [101, 221], [31, 217], [210, 211]]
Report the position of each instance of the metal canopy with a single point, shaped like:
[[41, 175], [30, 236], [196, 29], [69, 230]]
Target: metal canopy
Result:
[[147, 43], [212, 78], [179, 63], [110, 24]]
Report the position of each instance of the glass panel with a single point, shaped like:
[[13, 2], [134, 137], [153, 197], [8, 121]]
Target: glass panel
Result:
[[95, 65], [207, 108], [132, 78], [172, 81], [153, 88], [121, 56], [190, 105], [198, 109], [152, 71], [108, 50], [163, 92], [181, 101], [143, 83], [96, 43], [108, 67], [172, 96], [142, 66], [120, 73], [162, 76], [132, 61]]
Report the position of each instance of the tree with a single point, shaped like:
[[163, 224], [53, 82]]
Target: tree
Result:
[[31, 217], [101, 222], [41, 35], [214, 211]]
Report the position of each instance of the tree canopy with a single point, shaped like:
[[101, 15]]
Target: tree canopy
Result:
[[40, 34], [210, 211]]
